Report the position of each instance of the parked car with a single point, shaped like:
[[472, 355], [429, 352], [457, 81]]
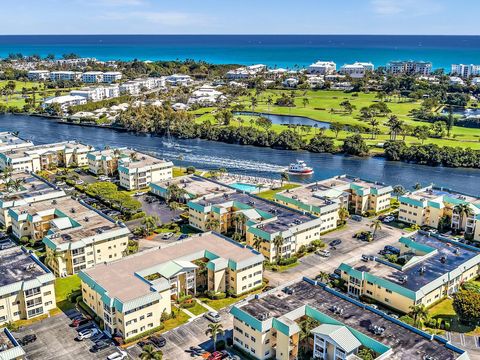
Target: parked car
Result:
[[60, 183], [158, 341], [391, 249], [365, 257], [27, 339], [182, 237], [334, 276], [336, 242], [143, 343], [119, 355], [356, 217], [337, 271], [388, 219], [324, 253], [87, 334], [217, 355], [79, 182], [79, 321], [99, 346], [213, 316], [139, 193], [167, 235]]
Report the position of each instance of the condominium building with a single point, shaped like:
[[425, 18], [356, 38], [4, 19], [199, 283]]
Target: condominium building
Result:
[[105, 162], [409, 67], [191, 187], [10, 348], [205, 96], [246, 72], [24, 189], [258, 219], [139, 170], [131, 294], [65, 75], [322, 68], [26, 286], [97, 93], [357, 69], [178, 80], [38, 75], [78, 235], [111, 76], [65, 101], [92, 77], [42, 157], [429, 269], [9, 141], [464, 70], [135, 87], [438, 207], [324, 198], [268, 326]]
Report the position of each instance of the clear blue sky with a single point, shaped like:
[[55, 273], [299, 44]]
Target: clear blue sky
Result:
[[240, 17]]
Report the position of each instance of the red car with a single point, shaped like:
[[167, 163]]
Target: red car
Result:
[[79, 322], [217, 355]]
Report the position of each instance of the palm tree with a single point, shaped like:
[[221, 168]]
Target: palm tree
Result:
[[375, 225], [418, 313], [214, 330], [284, 178], [269, 102], [395, 125], [174, 205], [257, 243], [399, 190], [150, 223], [278, 242], [305, 102], [212, 224], [51, 257], [343, 214], [374, 124], [253, 102], [463, 210], [323, 276], [149, 352]]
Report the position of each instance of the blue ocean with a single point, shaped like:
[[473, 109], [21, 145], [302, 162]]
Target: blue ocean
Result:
[[287, 51]]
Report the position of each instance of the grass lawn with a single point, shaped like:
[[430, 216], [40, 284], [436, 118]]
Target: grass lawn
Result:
[[444, 309], [178, 171], [63, 287], [223, 303], [170, 324], [320, 106], [197, 309], [268, 194]]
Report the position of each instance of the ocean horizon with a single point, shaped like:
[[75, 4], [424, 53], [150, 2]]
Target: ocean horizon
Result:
[[289, 51]]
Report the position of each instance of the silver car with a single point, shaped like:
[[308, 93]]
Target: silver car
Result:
[[213, 316]]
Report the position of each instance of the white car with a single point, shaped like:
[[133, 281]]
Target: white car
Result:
[[79, 182], [119, 355], [103, 178], [139, 193], [213, 316], [388, 219], [167, 235], [87, 334]]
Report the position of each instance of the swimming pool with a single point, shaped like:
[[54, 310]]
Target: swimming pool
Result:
[[249, 188]]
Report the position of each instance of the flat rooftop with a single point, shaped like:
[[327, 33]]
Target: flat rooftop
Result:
[[17, 265], [118, 277], [142, 160], [437, 194], [46, 148], [285, 217], [196, 186], [454, 254], [8, 139], [346, 180], [314, 194], [31, 188], [73, 220], [405, 344]]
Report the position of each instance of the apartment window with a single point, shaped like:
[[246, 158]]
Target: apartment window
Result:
[[387, 300], [16, 313], [2, 318], [36, 311], [48, 303], [388, 291], [142, 317], [32, 292], [2, 307], [150, 314], [46, 293]]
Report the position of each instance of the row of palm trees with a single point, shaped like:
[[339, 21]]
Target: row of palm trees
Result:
[[9, 183]]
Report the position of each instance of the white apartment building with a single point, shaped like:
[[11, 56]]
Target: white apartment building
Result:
[[92, 77], [464, 70], [111, 76], [409, 67], [42, 157], [356, 70], [76, 62], [137, 172], [65, 75], [8, 141], [246, 72], [38, 75], [178, 80], [322, 68], [65, 101], [97, 93], [205, 96]]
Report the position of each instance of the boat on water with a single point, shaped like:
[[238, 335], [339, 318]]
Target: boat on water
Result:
[[299, 168]]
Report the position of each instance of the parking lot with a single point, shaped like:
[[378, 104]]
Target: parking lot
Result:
[[158, 208], [187, 335], [350, 248], [56, 340]]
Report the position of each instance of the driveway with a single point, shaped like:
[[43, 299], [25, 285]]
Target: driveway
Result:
[[158, 208], [349, 250], [189, 334], [56, 341]]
